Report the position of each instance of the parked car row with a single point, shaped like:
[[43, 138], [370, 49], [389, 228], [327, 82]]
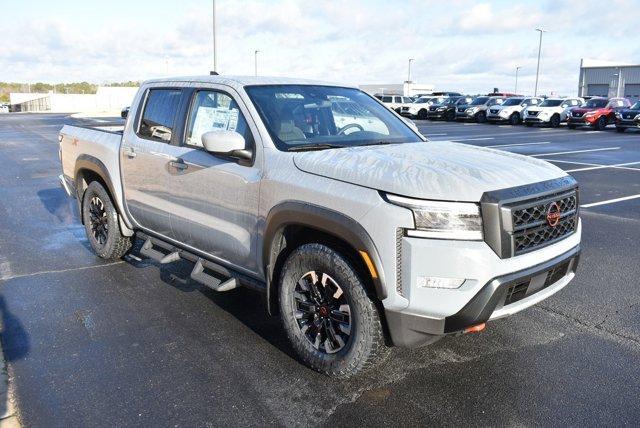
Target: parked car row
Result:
[[596, 112]]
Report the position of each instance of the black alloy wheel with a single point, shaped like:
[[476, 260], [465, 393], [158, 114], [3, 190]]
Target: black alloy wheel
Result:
[[98, 220], [322, 312]]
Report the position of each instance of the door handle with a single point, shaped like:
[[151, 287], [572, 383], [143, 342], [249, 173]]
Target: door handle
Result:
[[129, 151], [178, 164]]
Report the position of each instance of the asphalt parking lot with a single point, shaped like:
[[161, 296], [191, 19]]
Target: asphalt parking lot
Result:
[[90, 343]]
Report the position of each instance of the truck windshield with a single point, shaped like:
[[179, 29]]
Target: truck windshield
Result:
[[309, 117]]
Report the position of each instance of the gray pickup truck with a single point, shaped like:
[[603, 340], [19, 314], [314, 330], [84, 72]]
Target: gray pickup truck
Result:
[[361, 233]]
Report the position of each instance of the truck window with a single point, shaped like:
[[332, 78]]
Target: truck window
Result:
[[214, 111], [159, 114]]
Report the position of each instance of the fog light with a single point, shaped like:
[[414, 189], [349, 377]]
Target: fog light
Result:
[[435, 282]]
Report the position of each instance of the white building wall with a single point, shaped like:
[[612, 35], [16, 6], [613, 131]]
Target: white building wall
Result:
[[105, 100]]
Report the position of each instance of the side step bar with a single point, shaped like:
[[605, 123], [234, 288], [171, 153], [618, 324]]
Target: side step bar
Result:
[[163, 253]]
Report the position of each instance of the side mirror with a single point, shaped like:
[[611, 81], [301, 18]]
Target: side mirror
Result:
[[227, 143]]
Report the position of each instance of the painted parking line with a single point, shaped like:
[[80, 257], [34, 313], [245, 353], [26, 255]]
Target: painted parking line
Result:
[[472, 139], [617, 166], [434, 135], [610, 201], [577, 151], [588, 164], [520, 144]]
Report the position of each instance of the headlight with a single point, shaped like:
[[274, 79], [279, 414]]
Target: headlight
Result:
[[618, 115], [442, 220], [637, 117]]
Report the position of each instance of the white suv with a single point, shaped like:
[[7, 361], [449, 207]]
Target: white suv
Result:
[[511, 110], [552, 111], [395, 102]]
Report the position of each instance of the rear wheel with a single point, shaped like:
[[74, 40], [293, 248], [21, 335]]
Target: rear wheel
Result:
[[554, 121], [101, 224], [330, 321]]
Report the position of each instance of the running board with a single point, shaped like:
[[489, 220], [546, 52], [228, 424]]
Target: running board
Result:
[[163, 253], [198, 274]]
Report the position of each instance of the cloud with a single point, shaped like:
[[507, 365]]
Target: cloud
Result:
[[457, 46]]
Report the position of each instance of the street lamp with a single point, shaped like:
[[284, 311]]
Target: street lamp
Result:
[[535, 91], [215, 41], [409, 74], [255, 62], [515, 91]]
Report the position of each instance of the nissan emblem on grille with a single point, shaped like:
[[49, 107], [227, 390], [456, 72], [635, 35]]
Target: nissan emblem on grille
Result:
[[553, 214]]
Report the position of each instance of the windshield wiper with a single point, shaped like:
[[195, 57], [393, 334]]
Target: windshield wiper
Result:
[[318, 146], [378, 143]]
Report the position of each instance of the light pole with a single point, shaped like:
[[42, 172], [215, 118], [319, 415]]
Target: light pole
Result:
[[215, 41], [255, 62], [515, 91], [535, 91], [409, 73]]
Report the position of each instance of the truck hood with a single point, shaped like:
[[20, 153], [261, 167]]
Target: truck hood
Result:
[[583, 110], [430, 170]]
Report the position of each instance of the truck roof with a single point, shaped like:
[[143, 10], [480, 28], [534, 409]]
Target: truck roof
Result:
[[241, 81]]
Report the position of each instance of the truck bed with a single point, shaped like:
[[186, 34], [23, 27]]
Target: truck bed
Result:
[[100, 143]]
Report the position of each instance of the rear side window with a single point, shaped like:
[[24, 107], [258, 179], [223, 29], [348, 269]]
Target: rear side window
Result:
[[159, 114], [386, 99]]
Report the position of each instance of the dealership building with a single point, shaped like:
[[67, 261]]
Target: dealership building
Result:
[[604, 79]]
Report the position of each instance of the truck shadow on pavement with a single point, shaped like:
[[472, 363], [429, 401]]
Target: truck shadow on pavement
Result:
[[245, 305]]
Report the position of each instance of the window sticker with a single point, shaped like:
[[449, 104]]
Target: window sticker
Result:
[[212, 119]]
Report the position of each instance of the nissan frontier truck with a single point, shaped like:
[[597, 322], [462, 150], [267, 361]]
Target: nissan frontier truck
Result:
[[362, 234]]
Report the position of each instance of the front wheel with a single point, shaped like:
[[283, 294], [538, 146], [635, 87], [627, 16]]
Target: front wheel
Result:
[[481, 117], [422, 114], [101, 224], [554, 121], [332, 324], [601, 123], [450, 116], [514, 119]]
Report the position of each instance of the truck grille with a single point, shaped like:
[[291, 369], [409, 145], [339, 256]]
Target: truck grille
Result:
[[576, 114], [494, 111], [526, 218], [532, 112], [530, 228]]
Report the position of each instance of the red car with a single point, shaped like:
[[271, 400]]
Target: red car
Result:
[[597, 112]]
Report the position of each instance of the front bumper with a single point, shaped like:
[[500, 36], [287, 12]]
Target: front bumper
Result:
[[493, 287], [496, 118], [535, 119], [627, 124]]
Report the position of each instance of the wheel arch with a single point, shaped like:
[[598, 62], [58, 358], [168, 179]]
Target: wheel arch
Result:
[[89, 168], [293, 223]]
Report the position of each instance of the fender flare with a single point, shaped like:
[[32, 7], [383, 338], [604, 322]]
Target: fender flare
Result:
[[334, 223], [95, 165]]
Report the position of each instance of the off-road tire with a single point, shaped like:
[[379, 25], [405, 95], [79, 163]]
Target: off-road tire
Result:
[[365, 347], [450, 116], [116, 244], [600, 124]]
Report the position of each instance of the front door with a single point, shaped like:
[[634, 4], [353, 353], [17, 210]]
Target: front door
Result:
[[214, 199]]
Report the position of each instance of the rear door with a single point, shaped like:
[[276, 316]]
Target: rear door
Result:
[[145, 155], [214, 199]]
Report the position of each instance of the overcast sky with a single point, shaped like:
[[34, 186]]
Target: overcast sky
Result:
[[471, 46]]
